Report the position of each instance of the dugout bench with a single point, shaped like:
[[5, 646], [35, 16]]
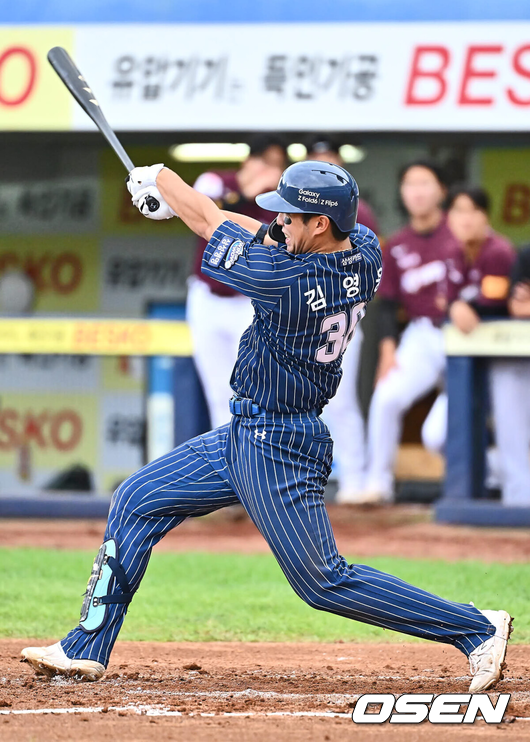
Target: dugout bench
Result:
[[464, 498]]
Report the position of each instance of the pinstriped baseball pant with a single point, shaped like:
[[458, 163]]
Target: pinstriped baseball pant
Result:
[[276, 466]]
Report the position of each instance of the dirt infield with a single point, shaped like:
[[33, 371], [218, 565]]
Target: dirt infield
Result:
[[195, 691], [272, 692], [388, 531]]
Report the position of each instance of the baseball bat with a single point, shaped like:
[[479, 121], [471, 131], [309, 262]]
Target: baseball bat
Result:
[[65, 67]]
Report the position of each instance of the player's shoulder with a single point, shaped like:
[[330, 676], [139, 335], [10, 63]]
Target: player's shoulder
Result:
[[362, 236], [367, 244]]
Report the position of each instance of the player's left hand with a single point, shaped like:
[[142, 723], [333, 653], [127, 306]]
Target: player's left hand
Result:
[[140, 200]]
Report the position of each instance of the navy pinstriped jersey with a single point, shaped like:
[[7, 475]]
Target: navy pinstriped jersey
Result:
[[306, 308]]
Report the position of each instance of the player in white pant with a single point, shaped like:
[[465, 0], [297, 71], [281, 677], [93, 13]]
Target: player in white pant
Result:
[[420, 368], [343, 414], [218, 315], [487, 260], [216, 323], [516, 464], [419, 272]]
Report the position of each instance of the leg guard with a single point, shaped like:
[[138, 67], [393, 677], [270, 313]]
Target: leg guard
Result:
[[98, 593]]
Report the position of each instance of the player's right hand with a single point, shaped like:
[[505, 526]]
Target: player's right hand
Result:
[[142, 177], [141, 201]]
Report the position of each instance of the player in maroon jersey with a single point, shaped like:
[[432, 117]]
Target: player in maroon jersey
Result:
[[486, 263], [420, 275], [517, 485], [218, 315]]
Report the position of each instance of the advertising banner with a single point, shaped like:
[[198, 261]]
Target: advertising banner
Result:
[[452, 76], [505, 174], [30, 98]]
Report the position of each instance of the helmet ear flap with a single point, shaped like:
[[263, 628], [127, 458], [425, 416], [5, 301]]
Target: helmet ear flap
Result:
[[275, 232]]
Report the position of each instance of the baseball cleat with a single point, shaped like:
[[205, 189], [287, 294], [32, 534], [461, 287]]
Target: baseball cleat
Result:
[[487, 661], [53, 661]]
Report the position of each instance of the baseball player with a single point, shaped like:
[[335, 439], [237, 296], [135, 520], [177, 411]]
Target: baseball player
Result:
[[216, 313], [485, 265], [343, 415], [309, 281], [516, 373], [419, 274]]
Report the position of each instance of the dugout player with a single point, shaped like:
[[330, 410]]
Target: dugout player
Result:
[[516, 379], [216, 313], [275, 454], [418, 278], [343, 414], [485, 265]]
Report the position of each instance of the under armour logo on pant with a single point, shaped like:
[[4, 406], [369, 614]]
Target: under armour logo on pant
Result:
[[259, 435]]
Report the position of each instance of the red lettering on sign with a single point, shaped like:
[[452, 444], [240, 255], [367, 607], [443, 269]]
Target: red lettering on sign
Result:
[[66, 430], [516, 205], [62, 273], [35, 268], [33, 428], [471, 73], [66, 273], [60, 430], [8, 432], [419, 72], [523, 72], [31, 74]]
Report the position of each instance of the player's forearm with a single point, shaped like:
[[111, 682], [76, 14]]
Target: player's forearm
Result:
[[195, 209]]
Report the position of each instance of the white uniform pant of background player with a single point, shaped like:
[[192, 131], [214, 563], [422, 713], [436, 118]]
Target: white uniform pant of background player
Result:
[[344, 418], [420, 369], [510, 396], [510, 400], [216, 325]]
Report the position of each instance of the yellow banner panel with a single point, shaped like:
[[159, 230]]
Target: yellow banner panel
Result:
[[64, 269], [95, 337], [506, 177], [48, 432], [31, 95]]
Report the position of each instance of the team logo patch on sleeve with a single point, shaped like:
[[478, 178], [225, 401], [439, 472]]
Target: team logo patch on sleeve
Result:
[[220, 251], [236, 250]]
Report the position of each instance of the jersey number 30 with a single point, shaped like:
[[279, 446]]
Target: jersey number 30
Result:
[[339, 332]]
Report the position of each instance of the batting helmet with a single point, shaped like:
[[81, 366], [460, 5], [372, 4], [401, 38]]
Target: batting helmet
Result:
[[313, 187]]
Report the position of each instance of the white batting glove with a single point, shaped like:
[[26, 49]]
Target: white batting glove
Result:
[[141, 177], [146, 197]]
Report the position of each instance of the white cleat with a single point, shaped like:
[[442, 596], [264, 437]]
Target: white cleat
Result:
[[487, 661], [53, 661]]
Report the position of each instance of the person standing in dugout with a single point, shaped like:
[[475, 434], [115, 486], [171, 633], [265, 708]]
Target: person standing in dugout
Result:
[[275, 455], [420, 277], [517, 379], [216, 313], [486, 262]]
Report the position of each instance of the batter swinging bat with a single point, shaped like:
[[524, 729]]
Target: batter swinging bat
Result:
[[63, 64]]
